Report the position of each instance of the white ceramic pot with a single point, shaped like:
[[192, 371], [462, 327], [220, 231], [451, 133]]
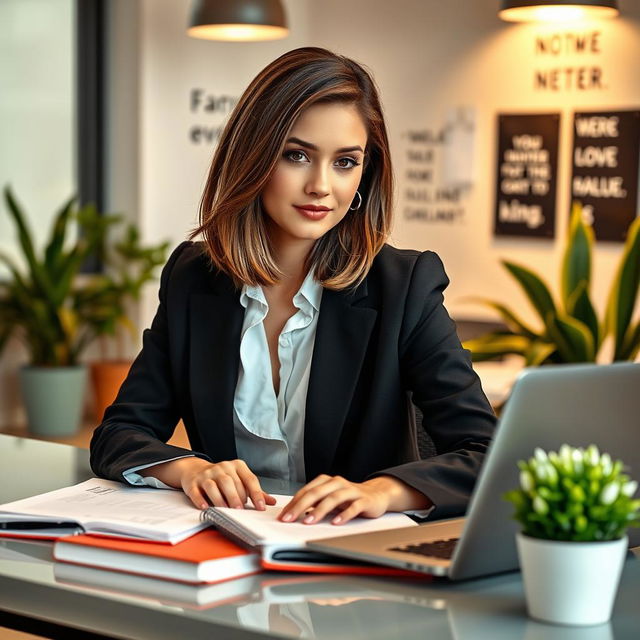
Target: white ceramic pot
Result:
[[571, 583]]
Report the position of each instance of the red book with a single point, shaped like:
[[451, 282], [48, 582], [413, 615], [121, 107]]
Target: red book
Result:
[[206, 556]]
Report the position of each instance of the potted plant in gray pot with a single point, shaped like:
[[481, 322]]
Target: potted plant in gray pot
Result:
[[574, 506], [40, 304], [57, 312]]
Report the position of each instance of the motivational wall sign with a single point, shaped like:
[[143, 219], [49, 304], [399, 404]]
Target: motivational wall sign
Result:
[[426, 198], [606, 148], [526, 175], [556, 76], [215, 107]]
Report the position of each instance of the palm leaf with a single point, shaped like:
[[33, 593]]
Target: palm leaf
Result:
[[508, 317], [496, 345], [38, 272], [622, 298], [538, 353], [576, 265], [580, 307], [54, 250], [535, 289], [573, 338], [631, 343]]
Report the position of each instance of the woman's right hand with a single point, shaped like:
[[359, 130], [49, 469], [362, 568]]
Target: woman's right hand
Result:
[[224, 484]]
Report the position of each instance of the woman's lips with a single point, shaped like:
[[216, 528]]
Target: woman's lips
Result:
[[313, 214]]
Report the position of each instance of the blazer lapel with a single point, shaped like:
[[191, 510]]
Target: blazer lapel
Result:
[[342, 337], [216, 324]]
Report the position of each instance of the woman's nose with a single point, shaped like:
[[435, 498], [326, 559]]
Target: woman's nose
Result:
[[318, 183]]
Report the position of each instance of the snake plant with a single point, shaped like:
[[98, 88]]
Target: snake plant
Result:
[[47, 303], [570, 330]]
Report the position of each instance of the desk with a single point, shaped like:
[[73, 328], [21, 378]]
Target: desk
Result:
[[34, 590]]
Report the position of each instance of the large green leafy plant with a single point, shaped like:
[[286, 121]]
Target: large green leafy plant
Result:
[[54, 309], [574, 495], [570, 329]]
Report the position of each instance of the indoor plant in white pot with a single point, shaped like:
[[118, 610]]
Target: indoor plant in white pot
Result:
[[574, 506]]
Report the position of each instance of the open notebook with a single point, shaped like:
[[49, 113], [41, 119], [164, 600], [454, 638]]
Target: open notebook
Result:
[[283, 544]]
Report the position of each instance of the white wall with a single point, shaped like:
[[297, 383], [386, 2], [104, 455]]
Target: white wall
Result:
[[429, 58]]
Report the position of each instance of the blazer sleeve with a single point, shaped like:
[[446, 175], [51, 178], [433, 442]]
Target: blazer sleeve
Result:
[[136, 427], [438, 372]]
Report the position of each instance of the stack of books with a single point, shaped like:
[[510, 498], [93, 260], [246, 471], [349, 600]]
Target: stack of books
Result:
[[104, 527]]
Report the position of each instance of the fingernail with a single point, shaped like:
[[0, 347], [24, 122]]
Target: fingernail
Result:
[[238, 506], [287, 517], [337, 520], [308, 520], [261, 505], [203, 505]]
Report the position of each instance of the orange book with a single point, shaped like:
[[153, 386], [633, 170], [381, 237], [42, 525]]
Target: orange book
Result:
[[206, 556]]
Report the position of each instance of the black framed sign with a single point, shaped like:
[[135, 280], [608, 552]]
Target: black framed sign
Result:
[[526, 175], [606, 153]]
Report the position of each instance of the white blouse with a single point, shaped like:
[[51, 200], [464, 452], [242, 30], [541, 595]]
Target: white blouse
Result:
[[269, 428]]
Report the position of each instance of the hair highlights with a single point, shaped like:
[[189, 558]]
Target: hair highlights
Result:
[[231, 218]]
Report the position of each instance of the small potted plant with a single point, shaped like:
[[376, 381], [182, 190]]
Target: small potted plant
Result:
[[574, 506], [56, 311]]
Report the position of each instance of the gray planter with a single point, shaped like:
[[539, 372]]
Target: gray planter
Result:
[[54, 399]]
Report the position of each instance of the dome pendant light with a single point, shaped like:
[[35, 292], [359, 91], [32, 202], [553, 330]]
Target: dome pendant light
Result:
[[556, 10], [238, 20]]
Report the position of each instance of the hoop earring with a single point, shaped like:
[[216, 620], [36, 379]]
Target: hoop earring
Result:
[[359, 203]]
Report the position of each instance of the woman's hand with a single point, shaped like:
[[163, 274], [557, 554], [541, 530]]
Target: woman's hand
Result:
[[223, 484], [369, 499]]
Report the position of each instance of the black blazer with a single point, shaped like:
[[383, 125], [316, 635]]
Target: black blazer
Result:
[[389, 336]]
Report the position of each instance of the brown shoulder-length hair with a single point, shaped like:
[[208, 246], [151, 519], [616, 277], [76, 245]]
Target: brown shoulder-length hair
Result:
[[231, 218]]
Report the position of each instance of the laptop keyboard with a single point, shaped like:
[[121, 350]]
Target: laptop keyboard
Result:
[[435, 549]]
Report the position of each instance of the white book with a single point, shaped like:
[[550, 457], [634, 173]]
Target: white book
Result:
[[103, 507], [283, 544], [147, 588]]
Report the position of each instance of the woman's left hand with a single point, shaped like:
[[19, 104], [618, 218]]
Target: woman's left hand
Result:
[[369, 499]]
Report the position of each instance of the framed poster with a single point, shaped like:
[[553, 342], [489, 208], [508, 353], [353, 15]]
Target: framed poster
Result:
[[526, 175], [606, 152]]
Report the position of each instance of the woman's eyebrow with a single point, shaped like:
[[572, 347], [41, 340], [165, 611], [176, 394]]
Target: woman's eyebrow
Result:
[[310, 145]]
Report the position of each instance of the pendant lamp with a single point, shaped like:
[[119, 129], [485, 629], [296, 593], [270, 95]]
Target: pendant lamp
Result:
[[237, 20], [556, 10]]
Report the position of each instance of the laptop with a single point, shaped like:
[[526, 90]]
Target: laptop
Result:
[[549, 406]]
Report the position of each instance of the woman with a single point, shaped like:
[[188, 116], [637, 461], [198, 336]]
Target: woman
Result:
[[288, 341]]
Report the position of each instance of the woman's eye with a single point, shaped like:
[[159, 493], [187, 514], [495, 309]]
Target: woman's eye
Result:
[[295, 156], [347, 163]]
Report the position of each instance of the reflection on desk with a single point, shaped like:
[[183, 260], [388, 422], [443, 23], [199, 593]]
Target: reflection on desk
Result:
[[32, 585]]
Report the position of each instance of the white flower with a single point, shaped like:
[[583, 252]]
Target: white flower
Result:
[[565, 456], [526, 481], [609, 493], [607, 465], [629, 488], [576, 455], [540, 455], [540, 506], [592, 455]]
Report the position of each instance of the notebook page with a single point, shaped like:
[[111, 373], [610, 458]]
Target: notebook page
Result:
[[268, 530], [99, 503]]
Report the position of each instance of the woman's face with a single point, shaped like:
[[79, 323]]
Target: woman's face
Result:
[[315, 181]]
